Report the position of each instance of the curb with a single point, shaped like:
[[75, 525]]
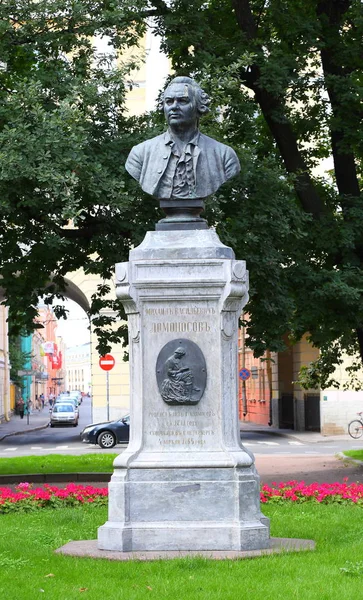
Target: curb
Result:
[[54, 478], [349, 459], [24, 431]]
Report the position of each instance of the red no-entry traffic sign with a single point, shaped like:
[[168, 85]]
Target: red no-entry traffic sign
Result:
[[107, 362]]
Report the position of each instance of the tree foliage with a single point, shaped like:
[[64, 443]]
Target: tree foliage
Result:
[[64, 138], [288, 74], [285, 77]]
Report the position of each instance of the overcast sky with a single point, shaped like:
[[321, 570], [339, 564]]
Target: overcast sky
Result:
[[73, 330]]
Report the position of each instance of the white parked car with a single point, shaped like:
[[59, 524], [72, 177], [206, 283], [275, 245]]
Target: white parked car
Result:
[[67, 400], [64, 414], [76, 394]]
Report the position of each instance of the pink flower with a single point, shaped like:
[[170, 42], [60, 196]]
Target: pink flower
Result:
[[48, 495], [293, 491], [24, 486]]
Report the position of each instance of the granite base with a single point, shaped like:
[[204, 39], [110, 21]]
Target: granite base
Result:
[[89, 548]]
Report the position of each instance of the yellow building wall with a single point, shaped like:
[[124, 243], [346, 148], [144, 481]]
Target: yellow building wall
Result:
[[303, 354], [12, 396], [5, 407]]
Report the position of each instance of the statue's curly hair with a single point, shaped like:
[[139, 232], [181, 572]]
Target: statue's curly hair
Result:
[[200, 97]]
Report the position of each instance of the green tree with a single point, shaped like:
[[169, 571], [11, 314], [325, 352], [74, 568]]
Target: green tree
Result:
[[287, 75], [64, 138]]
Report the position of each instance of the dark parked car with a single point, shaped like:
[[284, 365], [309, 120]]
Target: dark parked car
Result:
[[108, 434]]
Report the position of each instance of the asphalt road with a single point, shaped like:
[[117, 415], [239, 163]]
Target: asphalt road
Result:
[[67, 440], [62, 441], [277, 457]]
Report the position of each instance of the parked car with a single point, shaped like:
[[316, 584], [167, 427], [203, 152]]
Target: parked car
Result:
[[67, 400], [76, 394], [64, 414], [107, 435], [66, 397]]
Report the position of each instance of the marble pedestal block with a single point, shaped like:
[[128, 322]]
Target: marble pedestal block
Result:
[[185, 482]]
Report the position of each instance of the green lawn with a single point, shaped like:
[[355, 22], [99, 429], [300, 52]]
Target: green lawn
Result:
[[82, 463], [57, 463], [356, 454], [29, 569]]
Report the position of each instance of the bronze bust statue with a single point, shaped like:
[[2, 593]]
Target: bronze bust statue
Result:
[[182, 162]]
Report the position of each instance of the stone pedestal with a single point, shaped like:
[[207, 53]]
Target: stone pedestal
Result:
[[185, 482]]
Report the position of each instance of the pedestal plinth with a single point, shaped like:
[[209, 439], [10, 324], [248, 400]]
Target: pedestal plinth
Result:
[[185, 482]]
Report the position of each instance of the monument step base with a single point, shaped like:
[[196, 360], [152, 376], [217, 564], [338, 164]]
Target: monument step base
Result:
[[90, 549], [192, 536]]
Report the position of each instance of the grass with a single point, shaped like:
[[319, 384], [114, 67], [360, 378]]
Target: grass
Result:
[[57, 463], [29, 568], [82, 463], [356, 454]]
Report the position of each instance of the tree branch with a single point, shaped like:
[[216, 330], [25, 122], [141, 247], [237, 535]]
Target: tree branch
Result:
[[245, 19], [331, 13], [280, 128]]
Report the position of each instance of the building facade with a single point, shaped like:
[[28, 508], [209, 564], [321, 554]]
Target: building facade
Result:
[[7, 399], [78, 368]]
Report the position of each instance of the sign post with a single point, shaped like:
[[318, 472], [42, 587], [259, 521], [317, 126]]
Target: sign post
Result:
[[107, 363], [244, 374]]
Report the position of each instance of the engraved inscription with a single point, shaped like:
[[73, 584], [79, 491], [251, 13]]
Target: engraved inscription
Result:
[[183, 437], [178, 311], [182, 327], [187, 429]]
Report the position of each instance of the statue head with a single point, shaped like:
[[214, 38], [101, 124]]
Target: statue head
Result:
[[179, 351], [186, 87]]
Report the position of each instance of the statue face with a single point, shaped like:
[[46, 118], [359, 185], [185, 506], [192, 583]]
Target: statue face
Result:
[[179, 106]]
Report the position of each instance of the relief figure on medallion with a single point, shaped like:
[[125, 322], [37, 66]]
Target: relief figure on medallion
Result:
[[178, 382], [178, 385]]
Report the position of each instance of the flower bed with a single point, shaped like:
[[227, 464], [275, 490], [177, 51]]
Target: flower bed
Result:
[[26, 498], [323, 493]]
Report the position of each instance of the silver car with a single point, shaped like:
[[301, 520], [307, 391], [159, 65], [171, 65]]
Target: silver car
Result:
[[64, 414], [67, 400]]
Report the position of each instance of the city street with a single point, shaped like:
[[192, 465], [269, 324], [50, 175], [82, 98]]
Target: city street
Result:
[[64, 440], [267, 442]]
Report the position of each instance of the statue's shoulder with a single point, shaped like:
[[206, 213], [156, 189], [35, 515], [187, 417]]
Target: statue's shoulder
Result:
[[150, 144]]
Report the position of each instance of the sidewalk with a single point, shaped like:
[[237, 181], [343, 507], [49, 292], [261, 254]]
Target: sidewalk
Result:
[[312, 437], [17, 426]]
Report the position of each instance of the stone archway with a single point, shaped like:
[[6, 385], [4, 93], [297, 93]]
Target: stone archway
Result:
[[80, 288], [73, 292]]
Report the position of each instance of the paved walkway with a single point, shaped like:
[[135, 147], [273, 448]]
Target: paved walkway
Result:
[[302, 436], [36, 420]]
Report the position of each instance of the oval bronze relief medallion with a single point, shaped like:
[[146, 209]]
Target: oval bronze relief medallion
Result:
[[181, 372]]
